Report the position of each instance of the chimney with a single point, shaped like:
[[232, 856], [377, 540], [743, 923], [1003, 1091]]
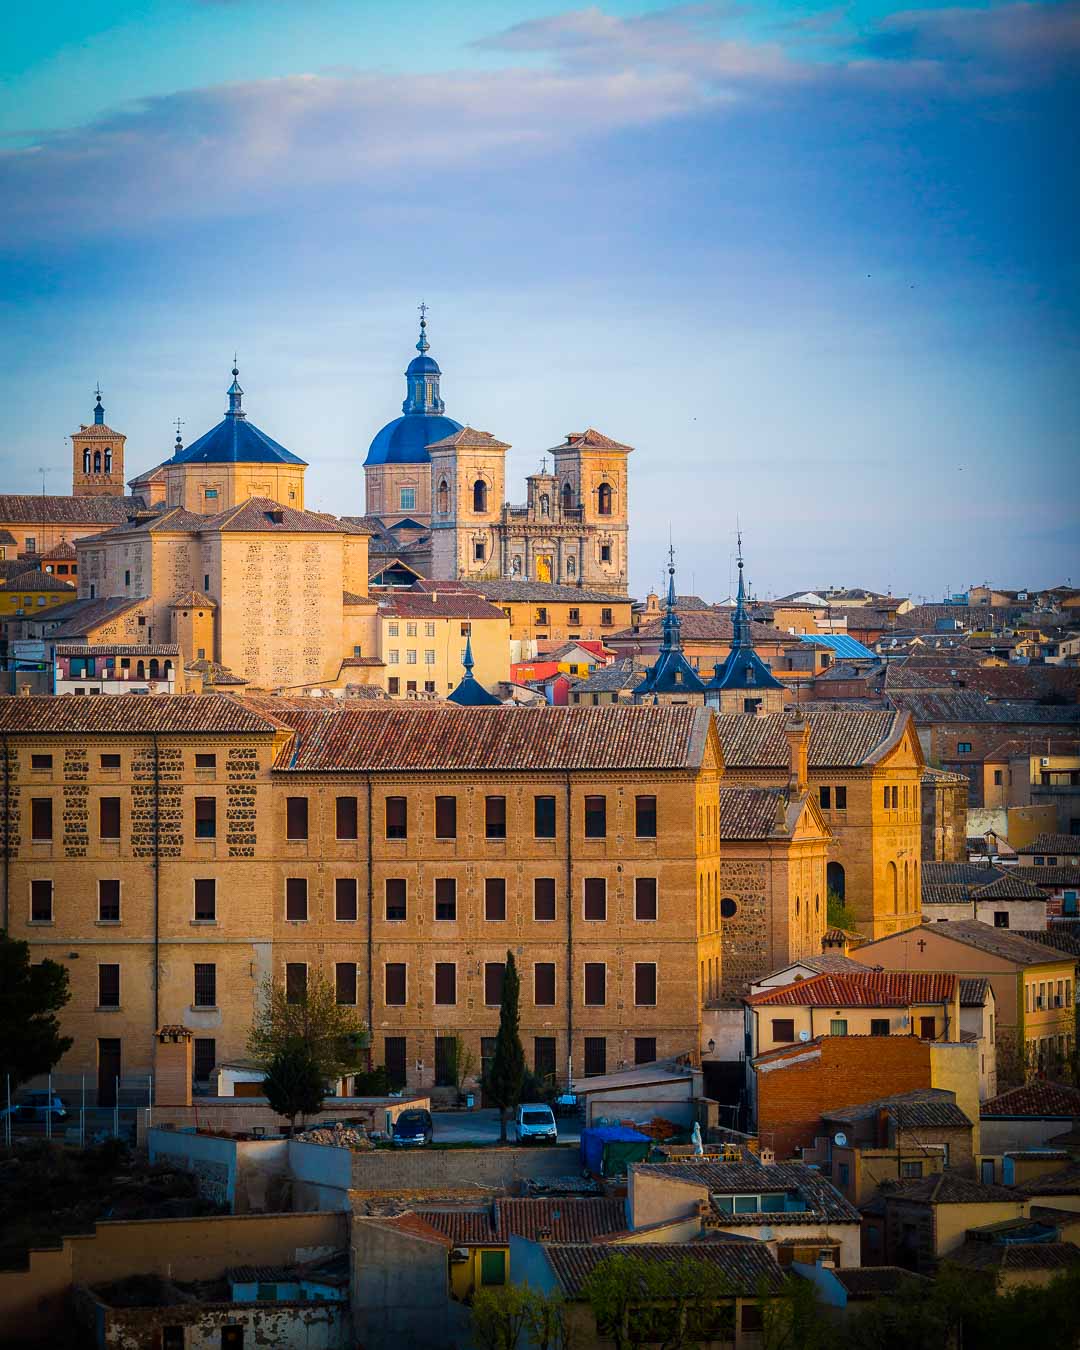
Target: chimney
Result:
[[797, 731], [434, 597], [173, 1066], [766, 1157]]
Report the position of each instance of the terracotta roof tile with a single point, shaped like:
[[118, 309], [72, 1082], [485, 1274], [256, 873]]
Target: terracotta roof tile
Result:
[[874, 989], [1067, 845], [1035, 1099], [559, 1220], [537, 592], [974, 992], [837, 739], [864, 1282], [80, 616], [728, 1178], [463, 1227], [975, 1254], [948, 1188], [193, 600], [746, 1268], [25, 508], [37, 581], [469, 436], [753, 812], [997, 941], [589, 439], [961, 707], [1065, 1182], [128, 714], [1062, 936], [438, 605], [117, 649]]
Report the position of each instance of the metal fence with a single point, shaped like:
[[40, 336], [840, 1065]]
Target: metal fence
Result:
[[31, 1113]]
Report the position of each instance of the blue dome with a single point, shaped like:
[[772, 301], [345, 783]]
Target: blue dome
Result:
[[235, 441], [423, 365], [405, 440]]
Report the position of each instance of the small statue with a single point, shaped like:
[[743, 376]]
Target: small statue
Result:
[[695, 1139]]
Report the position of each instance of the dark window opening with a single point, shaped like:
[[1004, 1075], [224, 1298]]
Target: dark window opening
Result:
[[109, 901], [346, 818], [205, 985], [595, 817], [645, 898], [295, 982], [544, 984], [644, 1049], [109, 817], [595, 984], [495, 899], [645, 984], [296, 900], [445, 983], [446, 899], [41, 902], [205, 817], [41, 818], [595, 1056], [397, 899], [109, 986], [206, 899], [445, 817], [544, 899], [645, 817], [596, 898], [495, 817], [345, 900], [395, 984], [493, 982], [296, 817], [397, 818], [544, 817], [345, 982]]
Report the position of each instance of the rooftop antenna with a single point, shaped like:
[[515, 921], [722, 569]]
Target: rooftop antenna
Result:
[[43, 471]]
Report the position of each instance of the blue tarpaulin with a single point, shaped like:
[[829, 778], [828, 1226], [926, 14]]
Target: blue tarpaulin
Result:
[[606, 1149]]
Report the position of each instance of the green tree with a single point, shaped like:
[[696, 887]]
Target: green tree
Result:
[[506, 1078], [499, 1316], [30, 998], [838, 914], [462, 1063], [294, 1084], [547, 1321], [333, 1033], [674, 1304]]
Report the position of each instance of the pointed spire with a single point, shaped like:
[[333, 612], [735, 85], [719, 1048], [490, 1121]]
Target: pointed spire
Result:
[[179, 442], [99, 411], [468, 661], [740, 623], [235, 393], [423, 345], [671, 616]]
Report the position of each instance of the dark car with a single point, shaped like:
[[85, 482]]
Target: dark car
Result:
[[413, 1127]]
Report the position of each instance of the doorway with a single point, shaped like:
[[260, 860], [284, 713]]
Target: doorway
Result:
[[108, 1071]]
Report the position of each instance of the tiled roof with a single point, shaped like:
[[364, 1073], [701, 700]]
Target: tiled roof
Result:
[[565, 1219], [974, 992], [438, 737], [1065, 1182], [469, 436], [1060, 844], [863, 1282], [537, 592], [20, 508], [411, 1224], [589, 439], [933, 708], [975, 1254], [752, 812], [1054, 876], [193, 600], [1012, 886], [925, 1108], [260, 514], [745, 1268], [873, 989], [438, 605], [837, 739], [214, 673], [1037, 1098], [960, 873], [35, 580], [947, 1188], [832, 961], [45, 715], [1063, 937], [63, 551], [1014, 682], [81, 616], [932, 777], [729, 1178], [705, 626], [462, 1226], [118, 649], [619, 675], [997, 941]]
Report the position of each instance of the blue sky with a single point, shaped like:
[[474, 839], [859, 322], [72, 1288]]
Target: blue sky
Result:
[[817, 263]]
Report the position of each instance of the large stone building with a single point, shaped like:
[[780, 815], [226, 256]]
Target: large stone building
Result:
[[172, 852], [436, 493]]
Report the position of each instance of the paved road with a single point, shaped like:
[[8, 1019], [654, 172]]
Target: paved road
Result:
[[482, 1126]]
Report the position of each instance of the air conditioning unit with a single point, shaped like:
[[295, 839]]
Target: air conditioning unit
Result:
[[1045, 761]]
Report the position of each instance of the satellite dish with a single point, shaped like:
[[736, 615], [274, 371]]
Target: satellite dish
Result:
[[840, 1140], [804, 1035]]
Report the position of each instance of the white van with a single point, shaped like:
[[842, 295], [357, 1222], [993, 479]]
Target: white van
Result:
[[533, 1124]]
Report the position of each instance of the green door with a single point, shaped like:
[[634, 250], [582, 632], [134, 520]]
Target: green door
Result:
[[492, 1268]]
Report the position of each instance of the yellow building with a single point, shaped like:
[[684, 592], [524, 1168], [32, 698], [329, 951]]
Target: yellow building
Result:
[[31, 592], [172, 852], [553, 613], [865, 768], [423, 636]]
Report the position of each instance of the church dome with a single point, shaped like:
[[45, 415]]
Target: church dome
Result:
[[423, 365], [405, 440], [235, 440]]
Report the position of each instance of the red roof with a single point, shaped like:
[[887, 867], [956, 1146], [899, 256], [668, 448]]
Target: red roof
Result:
[[873, 989], [1035, 1099]]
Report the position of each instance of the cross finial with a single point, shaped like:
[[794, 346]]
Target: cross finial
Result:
[[423, 308], [423, 345], [543, 463]]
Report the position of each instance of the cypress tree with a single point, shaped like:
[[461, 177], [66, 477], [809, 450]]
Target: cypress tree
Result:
[[506, 1078]]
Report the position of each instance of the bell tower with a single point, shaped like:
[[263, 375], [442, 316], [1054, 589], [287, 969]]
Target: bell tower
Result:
[[97, 458], [591, 470], [468, 489]]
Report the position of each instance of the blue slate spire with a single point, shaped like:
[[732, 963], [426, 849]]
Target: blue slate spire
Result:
[[99, 411], [672, 673], [422, 377], [406, 439], [742, 668], [470, 693], [740, 623], [235, 394]]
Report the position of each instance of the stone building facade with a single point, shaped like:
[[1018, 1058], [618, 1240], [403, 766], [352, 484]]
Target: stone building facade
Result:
[[97, 455]]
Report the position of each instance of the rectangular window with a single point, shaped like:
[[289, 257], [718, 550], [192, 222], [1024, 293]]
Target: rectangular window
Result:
[[825, 797], [205, 817], [395, 984], [963, 747], [41, 818], [429, 656], [544, 817], [204, 1060], [595, 984], [595, 1056], [645, 898], [838, 1026], [109, 901], [41, 896], [410, 656], [645, 984], [393, 630], [783, 1030], [206, 899], [495, 899], [879, 1026], [108, 986], [296, 817], [544, 984], [296, 899], [41, 761], [544, 1058], [493, 982], [544, 899], [645, 817], [397, 818], [841, 798], [345, 818], [644, 1049], [895, 798], [446, 899], [595, 817], [495, 817], [445, 1060], [911, 1169], [345, 905], [110, 762], [445, 983], [1001, 918], [204, 762], [429, 629], [295, 982], [345, 982], [395, 1049], [397, 899], [410, 630], [445, 817], [885, 792], [596, 898], [927, 1026], [205, 986], [109, 817]]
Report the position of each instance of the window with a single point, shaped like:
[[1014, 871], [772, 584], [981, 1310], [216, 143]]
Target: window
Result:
[[911, 1169], [479, 496], [544, 984], [410, 630], [110, 761], [397, 894], [394, 1052], [495, 817], [205, 900], [783, 1030], [108, 902], [41, 818], [345, 817], [645, 898], [728, 908], [429, 656], [595, 817], [445, 1060], [544, 817], [296, 899], [397, 818], [295, 982], [296, 817], [845, 1174], [596, 898], [541, 616], [492, 1267], [644, 1049], [927, 1027], [205, 817], [544, 899], [838, 1026], [205, 986], [895, 798], [204, 1059], [445, 982], [841, 798], [595, 984], [645, 984], [595, 1055], [963, 747], [493, 982], [345, 982], [495, 899], [42, 761], [202, 762], [825, 797], [479, 550], [108, 986], [575, 614], [544, 1058], [345, 906], [885, 792], [445, 817], [605, 556], [645, 817], [879, 1026], [446, 899], [109, 817], [603, 499], [41, 902], [395, 984], [407, 499]]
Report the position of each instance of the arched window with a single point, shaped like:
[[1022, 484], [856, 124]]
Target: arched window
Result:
[[545, 504], [443, 498], [907, 880], [893, 883], [140, 670], [167, 669], [86, 460], [153, 668], [604, 499], [567, 497], [108, 460], [834, 879], [97, 461], [479, 496]]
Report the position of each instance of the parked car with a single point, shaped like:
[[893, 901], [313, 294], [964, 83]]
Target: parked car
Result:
[[36, 1106], [413, 1127], [533, 1124]]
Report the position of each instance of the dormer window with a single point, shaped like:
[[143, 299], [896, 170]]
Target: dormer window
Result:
[[277, 515]]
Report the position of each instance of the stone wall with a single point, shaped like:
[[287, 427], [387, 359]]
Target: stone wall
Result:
[[488, 1168]]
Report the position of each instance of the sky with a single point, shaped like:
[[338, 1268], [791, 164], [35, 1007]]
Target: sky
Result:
[[817, 263]]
